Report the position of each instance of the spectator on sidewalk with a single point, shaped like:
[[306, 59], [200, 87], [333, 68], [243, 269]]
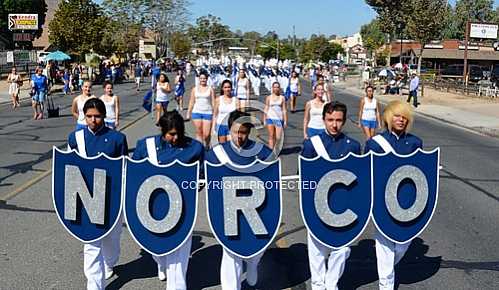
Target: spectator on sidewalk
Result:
[[39, 88], [15, 82], [67, 78], [413, 90]]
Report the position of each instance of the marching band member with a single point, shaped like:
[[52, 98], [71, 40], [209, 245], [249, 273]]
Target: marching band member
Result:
[[201, 109], [171, 145], [398, 119], [295, 87], [327, 265], [79, 102], [243, 89], [180, 90], [224, 105], [163, 88], [276, 116], [99, 256], [112, 103], [369, 116], [232, 266], [313, 123]]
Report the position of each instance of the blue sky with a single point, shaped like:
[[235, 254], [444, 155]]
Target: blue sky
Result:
[[340, 17]]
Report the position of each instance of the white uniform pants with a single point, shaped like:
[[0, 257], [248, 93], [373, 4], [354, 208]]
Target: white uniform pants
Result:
[[326, 264], [232, 268], [388, 254], [175, 265], [97, 255]]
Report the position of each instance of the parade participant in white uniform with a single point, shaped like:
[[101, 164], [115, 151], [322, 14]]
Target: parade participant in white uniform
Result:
[[201, 109], [328, 96], [232, 266], [171, 145], [313, 123], [327, 265], [79, 102], [276, 116], [224, 105], [369, 116], [243, 89], [163, 88], [398, 119], [112, 103], [99, 256], [295, 87]]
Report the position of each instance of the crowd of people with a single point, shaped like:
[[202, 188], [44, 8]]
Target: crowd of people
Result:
[[226, 114]]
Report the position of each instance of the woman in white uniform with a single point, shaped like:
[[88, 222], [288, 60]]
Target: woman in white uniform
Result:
[[201, 109], [112, 103], [313, 123], [243, 89], [79, 102], [224, 105], [163, 88], [295, 88], [276, 116]]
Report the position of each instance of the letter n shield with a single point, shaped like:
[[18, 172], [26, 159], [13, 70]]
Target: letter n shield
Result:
[[405, 193], [244, 205], [160, 204], [86, 193], [336, 198]]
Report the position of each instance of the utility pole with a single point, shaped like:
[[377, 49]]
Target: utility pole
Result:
[[466, 40]]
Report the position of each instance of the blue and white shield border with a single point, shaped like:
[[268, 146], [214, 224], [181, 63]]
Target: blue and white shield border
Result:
[[195, 206], [115, 220], [306, 221], [379, 212], [233, 166]]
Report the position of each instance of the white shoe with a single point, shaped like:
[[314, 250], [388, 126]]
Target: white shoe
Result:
[[252, 275], [108, 272], [161, 275]]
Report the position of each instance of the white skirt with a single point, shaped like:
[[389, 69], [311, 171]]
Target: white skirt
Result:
[[13, 89]]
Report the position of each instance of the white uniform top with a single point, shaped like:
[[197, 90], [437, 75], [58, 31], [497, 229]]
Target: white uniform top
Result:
[[369, 110], [275, 109], [110, 109], [225, 109], [203, 101], [293, 85], [241, 88], [315, 121], [161, 96], [80, 103], [326, 92]]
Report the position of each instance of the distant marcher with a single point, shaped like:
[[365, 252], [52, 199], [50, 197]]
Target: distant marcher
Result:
[[39, 89], [180, 90], [79, 103], [276, 116], [327, 97], [413, 90], [369, 113], [295, 88], [139, 70], [163, 90], [243, 89], [14, 80], [112, 103], [313, 124]]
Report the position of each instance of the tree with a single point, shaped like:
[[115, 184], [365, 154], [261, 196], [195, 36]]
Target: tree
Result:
[[319, 48], [372, 37], [210, 27], [181, 44], [21, 6], [424, 23], [77, 27], [472, 10]]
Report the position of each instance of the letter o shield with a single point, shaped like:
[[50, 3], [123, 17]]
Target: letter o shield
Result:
[[405, 193], [336, 198], [160, 204]]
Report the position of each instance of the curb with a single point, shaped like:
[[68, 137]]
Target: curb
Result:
[[484, 131]]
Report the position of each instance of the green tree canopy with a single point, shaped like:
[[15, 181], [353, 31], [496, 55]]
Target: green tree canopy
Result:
[[77, 27], [319, 48]]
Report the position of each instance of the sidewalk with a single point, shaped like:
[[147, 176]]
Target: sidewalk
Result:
[[478, 114], [23, 93]]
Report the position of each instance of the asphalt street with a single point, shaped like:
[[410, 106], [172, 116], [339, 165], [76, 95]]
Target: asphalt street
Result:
[[458, 250]]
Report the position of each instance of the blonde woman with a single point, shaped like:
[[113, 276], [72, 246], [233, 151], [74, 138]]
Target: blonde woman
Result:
[[14, 81]]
